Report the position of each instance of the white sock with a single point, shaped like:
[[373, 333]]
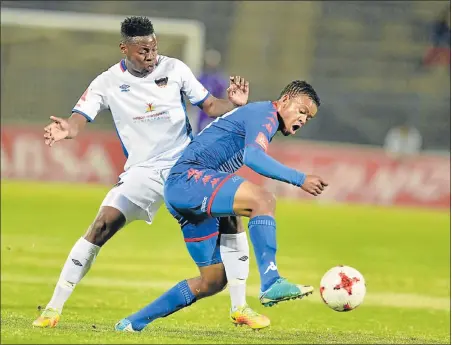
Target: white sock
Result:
[[235, 253], [76, 266]]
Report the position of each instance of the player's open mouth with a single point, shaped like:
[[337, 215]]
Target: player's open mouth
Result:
[[296, 127]]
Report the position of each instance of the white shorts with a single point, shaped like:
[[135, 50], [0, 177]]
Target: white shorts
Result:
[[138, 194]]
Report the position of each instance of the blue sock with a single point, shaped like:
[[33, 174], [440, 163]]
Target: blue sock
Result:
[[262, 231], [176, 298]]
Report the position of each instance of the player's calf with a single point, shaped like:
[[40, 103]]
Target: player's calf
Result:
[[108, 221], [183, 294], [260, 205]]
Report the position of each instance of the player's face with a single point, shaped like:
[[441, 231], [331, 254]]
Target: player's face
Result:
[[141, 53], [296, 112]]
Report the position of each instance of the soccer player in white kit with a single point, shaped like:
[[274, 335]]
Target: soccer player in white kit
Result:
[[145, 94]]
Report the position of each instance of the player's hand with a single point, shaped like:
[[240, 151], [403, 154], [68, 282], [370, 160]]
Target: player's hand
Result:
[[314, 185], [238, 90], [56, 131]]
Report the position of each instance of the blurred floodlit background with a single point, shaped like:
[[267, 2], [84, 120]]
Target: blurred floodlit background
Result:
[[381, 68]]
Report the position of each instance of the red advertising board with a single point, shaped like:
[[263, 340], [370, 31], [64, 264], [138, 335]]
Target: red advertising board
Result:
[[361, 175], [94, 157], [355, 174]]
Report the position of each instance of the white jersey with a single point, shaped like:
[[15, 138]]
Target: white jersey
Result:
[[149, 113]]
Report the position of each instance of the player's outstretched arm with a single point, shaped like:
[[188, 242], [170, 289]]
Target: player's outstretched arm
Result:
[[238, 92], [91, 102], [256, 159], [61, 128]]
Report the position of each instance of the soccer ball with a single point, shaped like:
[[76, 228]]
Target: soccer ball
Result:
[[342, 288]]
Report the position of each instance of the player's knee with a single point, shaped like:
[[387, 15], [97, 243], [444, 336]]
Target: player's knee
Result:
[[104, 227], [98, 232], [264, 203], [213, 284]]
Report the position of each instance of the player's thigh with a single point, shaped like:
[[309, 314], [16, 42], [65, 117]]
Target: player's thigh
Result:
[[221, 200], [251, 198], [184, 197], [199, 194], [115, 202], [143, 188], [202, 241]]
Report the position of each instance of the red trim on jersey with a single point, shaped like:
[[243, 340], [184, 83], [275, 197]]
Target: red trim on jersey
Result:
[[198, 239], [209, 205]]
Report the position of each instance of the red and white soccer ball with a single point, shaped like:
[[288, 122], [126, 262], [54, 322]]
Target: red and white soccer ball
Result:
[[343, 288]]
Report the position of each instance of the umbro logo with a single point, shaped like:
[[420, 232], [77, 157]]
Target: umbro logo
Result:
[[243, 258], [124, 88], [77, 263]]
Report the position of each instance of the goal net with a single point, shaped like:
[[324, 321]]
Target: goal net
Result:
[[48, 58]]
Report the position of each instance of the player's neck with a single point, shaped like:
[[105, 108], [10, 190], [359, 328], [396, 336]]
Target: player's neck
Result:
[[135, 73], [280, 120]]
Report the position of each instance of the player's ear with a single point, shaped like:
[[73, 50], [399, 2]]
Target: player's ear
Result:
[[285, 100], [123, 47]]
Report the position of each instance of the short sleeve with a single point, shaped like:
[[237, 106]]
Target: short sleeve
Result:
[[191, 86], [260, 127], [93, 100]]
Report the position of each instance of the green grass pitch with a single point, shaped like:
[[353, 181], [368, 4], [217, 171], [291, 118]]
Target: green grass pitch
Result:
[[404, 254]]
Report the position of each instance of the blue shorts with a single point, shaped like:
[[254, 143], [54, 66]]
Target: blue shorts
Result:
[[197, 198]]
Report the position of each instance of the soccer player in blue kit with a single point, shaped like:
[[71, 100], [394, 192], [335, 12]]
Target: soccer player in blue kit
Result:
[[202, 187]]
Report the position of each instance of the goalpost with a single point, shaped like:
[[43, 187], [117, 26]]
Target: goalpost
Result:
[[192, 31], [49, 57]]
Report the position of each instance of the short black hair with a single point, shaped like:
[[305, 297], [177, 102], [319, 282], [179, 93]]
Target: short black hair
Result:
[[300, 87], [136, 27]]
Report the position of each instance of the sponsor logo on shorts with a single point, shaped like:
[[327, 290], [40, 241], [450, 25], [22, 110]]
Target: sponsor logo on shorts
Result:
[[243, 258], [204, 204]]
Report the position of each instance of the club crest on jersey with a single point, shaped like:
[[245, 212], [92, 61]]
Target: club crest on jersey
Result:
[[150, 107], [124, 88], [162, 82]]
